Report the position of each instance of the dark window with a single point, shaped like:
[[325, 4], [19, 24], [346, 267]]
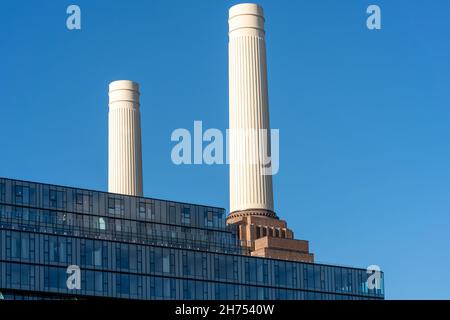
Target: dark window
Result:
[[322, 278], [166, 261], [172, 214], [16, 245], [2, 192], [260, 270], [53, 198], [146, 210], [338, 279], [346, 281], [111, 205], [32, 215], [51, 217], [189, 289], [87, 252], [56, 199], [209, 218], [133, 285], [88, 285], [133, 257], [98, 279], [19, 247], [52, 277], [116, 206], [167, 287], [83, 201], [277, 233], [151, 210], [79, 199], [186, 266], [15, 274], [158, 288], [57, 249], [258, 232], [25, 195], [123, 284], [186, 215], [122, 256], [261, 231], [61, 219], [118, 225], [142, 210], [19, 194], [97, 254]]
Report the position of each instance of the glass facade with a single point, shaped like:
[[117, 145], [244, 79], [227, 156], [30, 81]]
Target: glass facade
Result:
[[140, 248]]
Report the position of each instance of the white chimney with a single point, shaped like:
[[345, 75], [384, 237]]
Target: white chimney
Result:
[[250, 191], [124, 139]]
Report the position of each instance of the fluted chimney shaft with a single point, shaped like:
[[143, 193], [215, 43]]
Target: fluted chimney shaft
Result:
[[250, 190], [124, 139]]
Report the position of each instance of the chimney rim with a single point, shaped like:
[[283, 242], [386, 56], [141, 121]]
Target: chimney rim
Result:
[[246, 8], [124, 85]]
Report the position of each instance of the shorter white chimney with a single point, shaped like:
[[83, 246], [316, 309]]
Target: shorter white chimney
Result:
[[124, 139]]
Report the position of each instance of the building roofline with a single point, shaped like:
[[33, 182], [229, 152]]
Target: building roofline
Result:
[[117, 194]]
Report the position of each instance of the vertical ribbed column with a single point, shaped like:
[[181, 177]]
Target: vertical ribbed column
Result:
[[124, 139], [250, 190]]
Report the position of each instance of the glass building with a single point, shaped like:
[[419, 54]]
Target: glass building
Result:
[[140, 248]]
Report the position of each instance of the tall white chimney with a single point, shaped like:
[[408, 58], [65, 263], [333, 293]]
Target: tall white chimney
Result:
[[250, 191], [124, 139]]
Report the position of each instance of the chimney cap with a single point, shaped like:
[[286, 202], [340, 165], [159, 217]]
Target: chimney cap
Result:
[[124, 85], [245, 18], [124, 90], [246, 8]]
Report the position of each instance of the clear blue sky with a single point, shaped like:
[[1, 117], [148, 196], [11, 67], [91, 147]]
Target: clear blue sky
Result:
[[364, 116]]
